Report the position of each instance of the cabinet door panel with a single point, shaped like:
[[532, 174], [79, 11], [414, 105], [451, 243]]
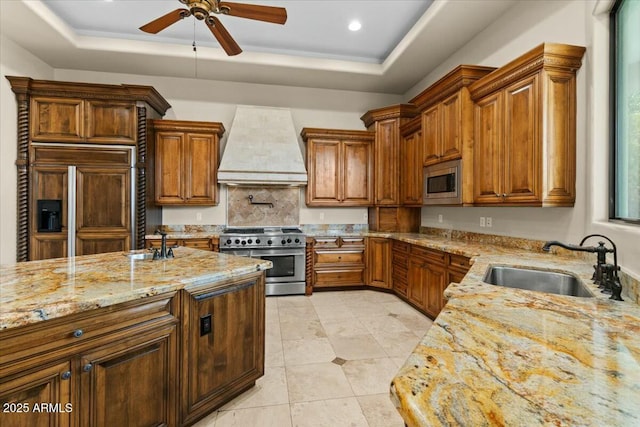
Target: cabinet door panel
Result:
[[131, 383], [57, 119], [103, 199], [417, 281], [386, 162], [200, 161], [48, 245], [111, 122], [169, 161], [357, 172], [43, 385], [451, 119], [522, 142], [411, 166], [487, 151], [324, 172], [435, 285], [99, 243], [430, 135], [379, 265], [48, 183]]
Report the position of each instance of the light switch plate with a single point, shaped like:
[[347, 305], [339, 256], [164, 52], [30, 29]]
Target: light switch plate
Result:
[[482, 221]]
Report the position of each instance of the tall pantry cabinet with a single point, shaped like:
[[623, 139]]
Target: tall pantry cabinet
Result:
[[84, 167]]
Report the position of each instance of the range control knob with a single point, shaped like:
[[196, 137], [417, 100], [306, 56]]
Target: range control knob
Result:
[[288, 240], [228, 241], [249, 241], [297, 240], [283, 241], [244, 243], [237, 241], [269, 242], [257, 241]]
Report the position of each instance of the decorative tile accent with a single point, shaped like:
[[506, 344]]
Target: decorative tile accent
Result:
[[285, 207], [339, 361]]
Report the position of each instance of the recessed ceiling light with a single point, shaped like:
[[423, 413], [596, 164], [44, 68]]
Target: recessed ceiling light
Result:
[[355, 25]]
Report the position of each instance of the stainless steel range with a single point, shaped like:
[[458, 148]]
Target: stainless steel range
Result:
[[283, 246]]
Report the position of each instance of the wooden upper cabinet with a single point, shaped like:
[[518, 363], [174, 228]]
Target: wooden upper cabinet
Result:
[[111, 122], [187, 156], [340, 167], [57, 119], [525, 129], [411, 175], [446, 109], [83, 120], [386, 122]]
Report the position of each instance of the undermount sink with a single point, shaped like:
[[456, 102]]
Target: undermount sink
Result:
[[140, 256], [536, 280]]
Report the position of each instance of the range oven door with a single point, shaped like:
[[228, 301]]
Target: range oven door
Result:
[[288, 264]]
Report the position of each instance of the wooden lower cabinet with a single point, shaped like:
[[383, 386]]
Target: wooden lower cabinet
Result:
[[212, 244], [21, 397], [149, 362], [131, 382], [427, 281], [338, 261], [379, 262], [223, 344]]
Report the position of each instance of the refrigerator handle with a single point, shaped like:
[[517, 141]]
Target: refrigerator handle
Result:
[[71, 212]]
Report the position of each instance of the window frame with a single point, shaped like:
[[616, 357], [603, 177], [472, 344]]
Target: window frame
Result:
[[613, 86]]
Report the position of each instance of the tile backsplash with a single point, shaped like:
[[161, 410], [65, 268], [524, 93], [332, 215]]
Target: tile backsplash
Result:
[[284, 208]]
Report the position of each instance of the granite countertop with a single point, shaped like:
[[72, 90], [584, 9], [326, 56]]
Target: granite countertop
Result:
[[503, 356], [185, 235], [40, 290]]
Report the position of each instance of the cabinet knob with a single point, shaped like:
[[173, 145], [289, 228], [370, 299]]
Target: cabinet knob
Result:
[[65, 375], [87, 367], [504, 194], [497, 195], [78, 333]]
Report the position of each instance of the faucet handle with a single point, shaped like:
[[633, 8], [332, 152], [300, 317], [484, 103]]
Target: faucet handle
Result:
[[170, 253]]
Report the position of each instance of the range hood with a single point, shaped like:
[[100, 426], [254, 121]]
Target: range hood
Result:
[[262, 148]]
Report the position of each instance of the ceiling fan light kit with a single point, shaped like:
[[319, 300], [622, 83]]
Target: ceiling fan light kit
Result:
[[204, 10]]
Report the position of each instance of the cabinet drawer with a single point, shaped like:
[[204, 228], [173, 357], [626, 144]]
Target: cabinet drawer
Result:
[[459, 262], [342, 257], [400, 287], [400, 260], [198, 244], [400, 247], [65, 332], [352, 242], [157, 243], [430, 254], [326, 242], [339, 277]]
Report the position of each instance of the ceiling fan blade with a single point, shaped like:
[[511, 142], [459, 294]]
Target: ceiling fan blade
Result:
[[222, 35], [275, 15], [164, 21]]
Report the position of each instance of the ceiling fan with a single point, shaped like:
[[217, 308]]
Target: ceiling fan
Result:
[[204, 10]]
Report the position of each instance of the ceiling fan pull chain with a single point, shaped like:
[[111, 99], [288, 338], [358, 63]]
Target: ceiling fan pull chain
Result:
[[195, 50]]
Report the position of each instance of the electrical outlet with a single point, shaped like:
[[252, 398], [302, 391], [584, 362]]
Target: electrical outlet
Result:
[[439, 217], [482, 221], [321, 216], [365, 217], [199, 216], [489, 222]]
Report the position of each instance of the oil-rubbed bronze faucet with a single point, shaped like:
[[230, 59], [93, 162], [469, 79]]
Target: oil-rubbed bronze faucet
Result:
[[163, 253], [605, 275]]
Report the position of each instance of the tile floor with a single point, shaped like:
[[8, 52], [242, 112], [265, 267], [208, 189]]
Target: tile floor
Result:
[[329, 361]]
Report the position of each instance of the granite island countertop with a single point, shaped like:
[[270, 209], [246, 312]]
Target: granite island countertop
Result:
[[503, 356], [40, 290]]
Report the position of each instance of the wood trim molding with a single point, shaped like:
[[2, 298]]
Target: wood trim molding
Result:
[[390, 112], [141, 178], [411, 126], [360, 135], [456, 79], [548, 56], [188, 126], [22, 163], [31, 87]]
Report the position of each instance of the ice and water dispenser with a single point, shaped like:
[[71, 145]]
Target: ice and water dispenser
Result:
[[49, 215]]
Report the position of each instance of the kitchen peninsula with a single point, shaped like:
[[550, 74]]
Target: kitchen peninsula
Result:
[[182, 335]]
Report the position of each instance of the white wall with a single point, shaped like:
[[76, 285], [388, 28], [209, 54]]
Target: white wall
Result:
[[14, 61], [521, 28]]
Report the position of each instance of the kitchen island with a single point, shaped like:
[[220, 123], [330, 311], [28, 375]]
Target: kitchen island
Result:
[[111, 339], [502, 356]]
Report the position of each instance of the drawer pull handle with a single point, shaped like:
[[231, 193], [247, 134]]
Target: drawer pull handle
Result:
[[87, 367], [65, 375], [78, 333]]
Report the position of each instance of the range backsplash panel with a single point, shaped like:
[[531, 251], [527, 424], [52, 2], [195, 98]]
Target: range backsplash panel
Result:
[[271, 206]]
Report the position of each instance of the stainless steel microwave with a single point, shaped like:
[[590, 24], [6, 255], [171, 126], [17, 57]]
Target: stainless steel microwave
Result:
[[442, 184]]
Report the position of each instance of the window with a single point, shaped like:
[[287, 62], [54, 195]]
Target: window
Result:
[[625, 72]]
